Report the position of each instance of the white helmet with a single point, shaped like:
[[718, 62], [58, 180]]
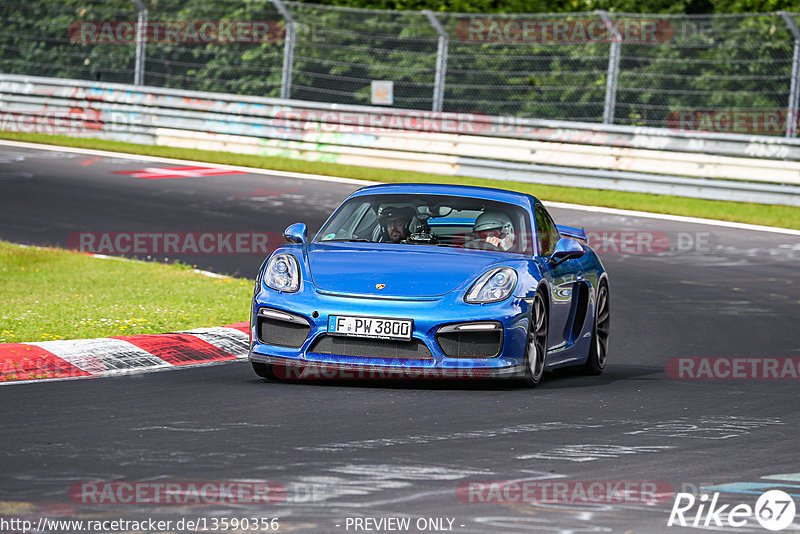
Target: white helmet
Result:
[[496, 220]]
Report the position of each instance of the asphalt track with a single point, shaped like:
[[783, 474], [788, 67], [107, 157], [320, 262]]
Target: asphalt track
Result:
[[401, 449]]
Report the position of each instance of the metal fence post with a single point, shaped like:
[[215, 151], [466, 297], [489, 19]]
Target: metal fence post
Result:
[[791, 115], [141, 43], [288, 50], [613, 67], [441, 60]]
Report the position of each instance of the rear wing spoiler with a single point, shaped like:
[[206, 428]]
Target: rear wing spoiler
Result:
[[575, 233]]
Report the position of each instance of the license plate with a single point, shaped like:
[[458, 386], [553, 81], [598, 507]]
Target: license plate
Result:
[[374, 327]]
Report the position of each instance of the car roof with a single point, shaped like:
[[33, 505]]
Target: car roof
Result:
[[487, 193]]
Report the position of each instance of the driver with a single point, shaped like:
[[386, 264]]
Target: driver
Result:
[[394, 222], [493, 230]]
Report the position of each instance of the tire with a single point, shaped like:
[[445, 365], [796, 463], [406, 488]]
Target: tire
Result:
[[536, 344], [598, 351], [264, 370]]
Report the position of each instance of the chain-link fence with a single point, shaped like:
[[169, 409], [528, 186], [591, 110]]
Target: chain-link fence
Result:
[[735, 73]]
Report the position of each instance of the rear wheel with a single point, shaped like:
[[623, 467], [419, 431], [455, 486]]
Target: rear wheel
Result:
[[602, 321], [536, 346], [264, 370]]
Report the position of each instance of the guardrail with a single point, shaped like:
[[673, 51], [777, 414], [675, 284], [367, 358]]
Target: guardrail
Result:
[[746, 168]]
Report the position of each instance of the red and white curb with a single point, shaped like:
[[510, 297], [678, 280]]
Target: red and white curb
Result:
[[118, 355]]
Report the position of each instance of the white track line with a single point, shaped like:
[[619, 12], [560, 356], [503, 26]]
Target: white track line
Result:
[[125, 155], [132, 260], [677, 218], [123, 258], [336, 179]]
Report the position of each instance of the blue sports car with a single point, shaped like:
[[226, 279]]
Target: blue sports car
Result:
[[421, 280]]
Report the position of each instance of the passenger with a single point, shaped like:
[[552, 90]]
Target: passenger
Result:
[[493, 230]]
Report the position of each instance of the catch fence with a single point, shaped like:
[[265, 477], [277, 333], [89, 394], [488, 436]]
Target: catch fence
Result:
[[719, 73]]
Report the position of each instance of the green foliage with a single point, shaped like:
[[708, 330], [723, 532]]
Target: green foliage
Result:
[[543, 6], [44, 38], [697, 63]]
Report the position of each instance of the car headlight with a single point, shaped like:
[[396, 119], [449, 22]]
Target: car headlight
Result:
[[283, 273], [493, 286]]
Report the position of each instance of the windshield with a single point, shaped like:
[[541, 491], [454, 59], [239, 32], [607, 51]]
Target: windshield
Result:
[[439, 220]]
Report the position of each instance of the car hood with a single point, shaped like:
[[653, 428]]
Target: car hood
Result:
[[405, 271]]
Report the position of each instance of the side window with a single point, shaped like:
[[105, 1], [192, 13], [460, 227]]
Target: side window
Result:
[[546, 232], [553, 231], [369, 219]]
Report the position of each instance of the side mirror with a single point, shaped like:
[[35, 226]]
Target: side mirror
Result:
[[566, 249], [296, 233]]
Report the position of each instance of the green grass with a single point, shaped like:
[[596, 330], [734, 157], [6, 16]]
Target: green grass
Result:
[[53, 294], [768, 215]]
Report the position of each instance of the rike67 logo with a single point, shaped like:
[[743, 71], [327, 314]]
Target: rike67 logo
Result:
[[774, 510]]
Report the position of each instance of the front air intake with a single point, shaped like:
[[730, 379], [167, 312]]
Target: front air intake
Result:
[[281, 328], [413, 349], [471, 340]]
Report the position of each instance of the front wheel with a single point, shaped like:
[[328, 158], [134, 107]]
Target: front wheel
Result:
[[536, 346], [602, 321], [264, 370]]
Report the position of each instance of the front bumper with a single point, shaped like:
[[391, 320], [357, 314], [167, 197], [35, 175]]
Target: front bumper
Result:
[[429, 316], [292, 368]]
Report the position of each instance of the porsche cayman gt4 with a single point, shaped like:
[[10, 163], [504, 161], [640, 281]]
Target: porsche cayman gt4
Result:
[[419, 281]]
